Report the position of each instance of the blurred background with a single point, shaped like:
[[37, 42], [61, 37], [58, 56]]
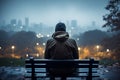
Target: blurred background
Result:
[[26, 25]]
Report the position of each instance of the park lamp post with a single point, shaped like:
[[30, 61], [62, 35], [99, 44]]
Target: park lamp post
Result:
[[79, 51], [97, 47], [37, 54], [43, 44], [37, 44], [27, 55], [78, 48], [107, 50], [13, 48]]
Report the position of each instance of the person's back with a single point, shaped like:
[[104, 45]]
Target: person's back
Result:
[[61, 47]]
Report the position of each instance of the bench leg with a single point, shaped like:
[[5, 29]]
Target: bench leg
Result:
[[89, 78], [63, 78], [52, 78]]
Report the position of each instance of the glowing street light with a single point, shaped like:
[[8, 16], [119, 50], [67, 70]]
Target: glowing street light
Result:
[[37, 55], [37, 44], [107, 50], [79, 48], [97, 47], [27, 55], [79, 51], [13, 48], [39, 35], [43, 44], [48, 35]]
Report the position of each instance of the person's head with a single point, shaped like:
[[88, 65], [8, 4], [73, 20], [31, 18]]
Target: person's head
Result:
[[60, 27]]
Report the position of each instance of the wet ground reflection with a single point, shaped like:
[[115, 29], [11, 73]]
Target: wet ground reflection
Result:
[[17, 73]]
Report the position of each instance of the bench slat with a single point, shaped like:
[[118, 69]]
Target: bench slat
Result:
[[36, 64], [64, 66], [61, 61], [72, 75]]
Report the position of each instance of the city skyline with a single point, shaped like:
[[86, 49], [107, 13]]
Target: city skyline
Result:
[[52, 11]]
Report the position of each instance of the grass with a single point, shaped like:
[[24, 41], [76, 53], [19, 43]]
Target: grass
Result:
[[110, 62], [12, 62], [21, 62]]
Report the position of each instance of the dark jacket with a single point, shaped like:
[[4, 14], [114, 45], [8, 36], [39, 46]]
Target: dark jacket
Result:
[[61, 47]]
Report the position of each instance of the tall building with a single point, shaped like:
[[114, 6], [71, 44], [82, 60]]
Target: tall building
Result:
[[13, 22], [19, 22], [13, 26], [26, 24], [26, 21]]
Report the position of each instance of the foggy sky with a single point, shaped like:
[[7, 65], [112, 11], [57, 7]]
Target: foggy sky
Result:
[[52, 11]]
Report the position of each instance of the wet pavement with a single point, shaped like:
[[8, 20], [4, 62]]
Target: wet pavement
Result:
[[17, 73], [109, 73], [12, 73]]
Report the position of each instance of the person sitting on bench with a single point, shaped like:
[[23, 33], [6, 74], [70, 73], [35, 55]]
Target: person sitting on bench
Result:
[[61, 47]]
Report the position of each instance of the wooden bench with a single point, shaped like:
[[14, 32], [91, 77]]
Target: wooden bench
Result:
[[36, 68]]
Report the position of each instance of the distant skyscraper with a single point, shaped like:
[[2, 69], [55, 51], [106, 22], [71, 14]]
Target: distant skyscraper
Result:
[[26, 21], [13, 22], [74, 23], [19, 23]]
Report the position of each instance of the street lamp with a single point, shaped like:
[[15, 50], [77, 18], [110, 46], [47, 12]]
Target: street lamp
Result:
[[43, 44], [97, 47], [27, 55], [79, 50], [107, 50], [13, 48], [37, 55], [37, 44]]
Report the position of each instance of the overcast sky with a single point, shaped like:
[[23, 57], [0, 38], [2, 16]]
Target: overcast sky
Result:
[[52, 11]]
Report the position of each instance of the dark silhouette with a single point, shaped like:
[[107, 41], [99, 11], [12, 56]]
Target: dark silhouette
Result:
[[61, 47], [112, 43], [86, 39]]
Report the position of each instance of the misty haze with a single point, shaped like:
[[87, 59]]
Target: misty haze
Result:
[[26, 25]]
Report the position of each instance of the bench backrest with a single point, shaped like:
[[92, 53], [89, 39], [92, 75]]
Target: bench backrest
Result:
[[71, 63]]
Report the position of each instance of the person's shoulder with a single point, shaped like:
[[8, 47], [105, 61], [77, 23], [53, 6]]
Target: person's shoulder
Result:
[[71, 40], [50, 41]]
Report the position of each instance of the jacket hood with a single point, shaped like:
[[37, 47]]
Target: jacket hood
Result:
[[60, 36]]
